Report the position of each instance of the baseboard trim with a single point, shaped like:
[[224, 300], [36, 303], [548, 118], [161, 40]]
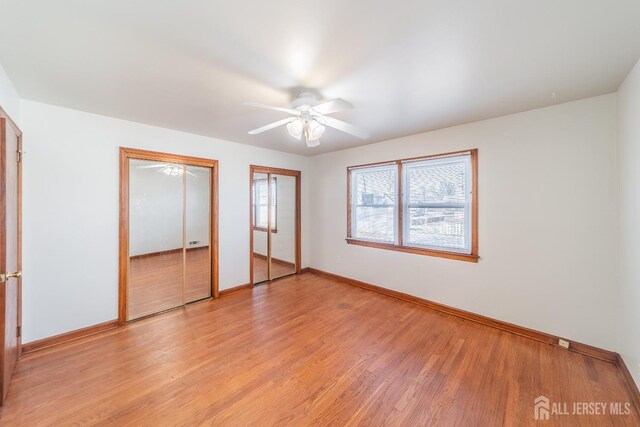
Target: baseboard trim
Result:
[[584, 349], [32, 346], [630, 383], [234, 290], [275, 260]]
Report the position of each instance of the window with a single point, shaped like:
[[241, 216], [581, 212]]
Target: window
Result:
[[374, 206], [261, 204], [435, 213]]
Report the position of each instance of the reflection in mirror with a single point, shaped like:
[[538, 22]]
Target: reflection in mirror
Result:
[[155, 237], [283, 243], [260, 208], [197, 221]]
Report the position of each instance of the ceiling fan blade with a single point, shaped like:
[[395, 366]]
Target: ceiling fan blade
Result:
[[273, 125], [344, 127], [333, 106], [270, 107]]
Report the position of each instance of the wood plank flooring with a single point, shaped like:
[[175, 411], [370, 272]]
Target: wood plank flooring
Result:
[[306, 351], [279, 268], [155, 280]]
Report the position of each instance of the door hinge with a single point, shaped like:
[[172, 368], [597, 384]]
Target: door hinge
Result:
[[19, 331], [19, 156]]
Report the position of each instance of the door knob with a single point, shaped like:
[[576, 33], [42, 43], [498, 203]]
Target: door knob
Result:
[[6, 276]]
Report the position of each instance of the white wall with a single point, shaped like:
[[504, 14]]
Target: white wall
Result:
[[71, 211], [547, 221], [629, 217], [156, 208], [283, 242], [9, 98]]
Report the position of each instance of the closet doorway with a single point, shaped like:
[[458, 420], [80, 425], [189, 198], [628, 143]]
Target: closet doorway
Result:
[[168, 232], [275, 223]]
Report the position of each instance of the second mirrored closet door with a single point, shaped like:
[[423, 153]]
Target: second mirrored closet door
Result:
[[275, 223], [169, 229]]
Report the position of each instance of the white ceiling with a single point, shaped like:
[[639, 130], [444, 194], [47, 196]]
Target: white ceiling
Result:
[[408, 66]]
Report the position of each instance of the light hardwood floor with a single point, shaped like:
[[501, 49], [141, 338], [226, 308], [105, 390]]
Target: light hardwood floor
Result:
[[155, 280], [306, 350], [279, 268]]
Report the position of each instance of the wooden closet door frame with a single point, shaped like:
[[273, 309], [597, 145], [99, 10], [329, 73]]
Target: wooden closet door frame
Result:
[[277, 171], [133, 153]]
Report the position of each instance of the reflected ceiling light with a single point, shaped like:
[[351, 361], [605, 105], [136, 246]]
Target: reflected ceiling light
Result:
[[173, 170]]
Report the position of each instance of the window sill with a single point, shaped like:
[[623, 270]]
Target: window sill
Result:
[[417, 251]]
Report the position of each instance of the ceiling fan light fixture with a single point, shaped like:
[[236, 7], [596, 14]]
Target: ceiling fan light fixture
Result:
[[295, 129], [314, 131]]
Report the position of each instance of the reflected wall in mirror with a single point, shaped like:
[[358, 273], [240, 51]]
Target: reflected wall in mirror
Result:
[[275, 220], [283, 243], [261, 221], [197, 219], [167, 226], [155, 237]]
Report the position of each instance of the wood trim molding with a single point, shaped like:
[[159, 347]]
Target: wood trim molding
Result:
[[67, 336], [133, 153], [630, 384], [167, 252], [417, 251], [235, 289], [276, 260], [584, 349]]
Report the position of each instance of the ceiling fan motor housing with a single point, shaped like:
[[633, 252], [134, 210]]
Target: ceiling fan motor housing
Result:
[[305, 99]]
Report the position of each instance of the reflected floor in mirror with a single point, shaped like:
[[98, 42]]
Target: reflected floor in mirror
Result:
[[279, 268], [155, 280]]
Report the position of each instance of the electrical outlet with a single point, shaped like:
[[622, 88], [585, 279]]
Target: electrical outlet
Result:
[[563, 343]]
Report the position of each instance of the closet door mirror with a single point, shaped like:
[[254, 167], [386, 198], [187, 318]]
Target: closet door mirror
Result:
[[275, 223], [283, 243], [260, 225], [168, 232], [197, 240], [156, 191]]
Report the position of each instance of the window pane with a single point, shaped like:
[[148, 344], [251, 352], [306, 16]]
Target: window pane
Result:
[[373, 203], [441, 228], [261, 197], [439, 183], [262, 215], [437, 210]]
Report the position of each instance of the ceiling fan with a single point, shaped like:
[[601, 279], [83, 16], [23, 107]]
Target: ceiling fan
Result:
[[309, 118], [168, 169]]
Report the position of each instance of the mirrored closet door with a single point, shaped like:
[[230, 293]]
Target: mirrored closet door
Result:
[[275, 223], [167, 231]]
